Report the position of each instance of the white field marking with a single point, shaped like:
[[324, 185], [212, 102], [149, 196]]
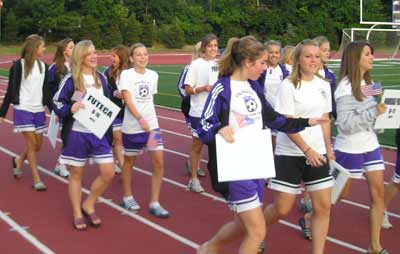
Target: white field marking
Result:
[[155, 54], [116, 207], [169, 94], [367, 207], [393, 86], [25, 234], [3, 62], [171, 119], [3, 91], [384, 75], [167, 72], [160, 228]]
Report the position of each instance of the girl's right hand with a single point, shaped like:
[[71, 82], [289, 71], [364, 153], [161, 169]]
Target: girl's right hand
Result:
[[227, 133], [314, 158], [76, 106], [381, 108]]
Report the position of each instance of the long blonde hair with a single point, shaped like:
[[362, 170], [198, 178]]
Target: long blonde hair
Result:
[[296, 76], [350, 67], [79, 52], [29, 53]]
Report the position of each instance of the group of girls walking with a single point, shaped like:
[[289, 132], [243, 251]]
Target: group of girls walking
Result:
[[294, 98]]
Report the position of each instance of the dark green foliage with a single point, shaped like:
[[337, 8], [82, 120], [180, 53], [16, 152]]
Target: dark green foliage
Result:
[[140, 20], [112, 37], [10, 32], [171, 36]]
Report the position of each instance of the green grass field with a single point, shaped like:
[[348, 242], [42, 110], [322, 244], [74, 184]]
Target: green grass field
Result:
[[384, 71]]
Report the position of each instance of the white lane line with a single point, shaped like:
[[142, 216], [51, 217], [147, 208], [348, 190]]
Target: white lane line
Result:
[[171, 119], [25, 234], [116, 207]]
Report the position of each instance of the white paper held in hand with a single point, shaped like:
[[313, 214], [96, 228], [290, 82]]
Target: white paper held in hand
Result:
[[52, 131], [341, 176], [391, 118], [249, 157], [98, 114]]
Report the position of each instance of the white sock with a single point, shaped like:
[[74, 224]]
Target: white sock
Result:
[[126, 199], [154, 204]]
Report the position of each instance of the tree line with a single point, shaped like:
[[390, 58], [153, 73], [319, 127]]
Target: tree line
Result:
[[179, 22]]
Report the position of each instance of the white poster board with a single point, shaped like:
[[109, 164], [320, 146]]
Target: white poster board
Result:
[[391, 118], [98, 114], [341, 176], [52, 131], [250, 156]]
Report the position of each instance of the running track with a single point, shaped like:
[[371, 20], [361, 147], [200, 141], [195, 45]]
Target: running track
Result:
[[32, 222]]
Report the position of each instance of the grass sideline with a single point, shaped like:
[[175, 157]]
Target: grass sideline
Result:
[[168, 96]]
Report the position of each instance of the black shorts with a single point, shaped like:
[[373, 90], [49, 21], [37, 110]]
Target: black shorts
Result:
[[291, 170]]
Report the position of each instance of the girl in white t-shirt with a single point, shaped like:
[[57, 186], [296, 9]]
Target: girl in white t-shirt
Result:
[[140, 128], [202, 74], [304, 156], [356, 147], [28, 91]]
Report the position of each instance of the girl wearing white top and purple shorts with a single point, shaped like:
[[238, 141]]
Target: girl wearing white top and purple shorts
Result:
[[140, 128]]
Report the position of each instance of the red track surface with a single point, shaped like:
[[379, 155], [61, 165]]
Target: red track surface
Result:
[[194, 217]]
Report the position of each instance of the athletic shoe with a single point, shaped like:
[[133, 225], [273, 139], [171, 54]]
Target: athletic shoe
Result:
[[195, 186], [159, 212], [385, 221], [130, 205], [61, 170], [117, 169], [201, 172], [305, 206]]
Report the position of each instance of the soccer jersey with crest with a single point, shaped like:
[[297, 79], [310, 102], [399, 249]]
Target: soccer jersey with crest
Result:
[[141, 87], [245, 107], [310, 99]]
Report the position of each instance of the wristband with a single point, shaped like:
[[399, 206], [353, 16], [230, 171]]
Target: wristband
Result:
[[142, 121], [305, 151]]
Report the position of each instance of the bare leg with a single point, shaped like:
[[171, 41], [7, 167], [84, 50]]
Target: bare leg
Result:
[[157, 176], [99, 185], [126, 175], [283, 203], [117, 149], [74, 189], [376, 191], [33, 143], [195, 156], [321, 201]]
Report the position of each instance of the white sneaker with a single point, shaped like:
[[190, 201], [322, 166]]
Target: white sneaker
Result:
[[61, 170], [117, 169], [385, 221], [195, 186]]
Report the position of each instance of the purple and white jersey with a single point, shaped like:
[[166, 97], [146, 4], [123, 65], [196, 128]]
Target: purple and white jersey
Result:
[[245, 107]]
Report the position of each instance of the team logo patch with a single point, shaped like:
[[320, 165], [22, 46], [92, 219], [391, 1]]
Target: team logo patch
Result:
[[323, 93], [143, 90], [251, 104]]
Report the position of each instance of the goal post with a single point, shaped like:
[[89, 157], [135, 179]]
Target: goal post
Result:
[[385, 41]]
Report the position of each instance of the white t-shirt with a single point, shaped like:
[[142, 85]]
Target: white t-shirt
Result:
[[351, 143], [310, 99], [31, 91], [200, 73], [273, 79], [89, 85], [245, 107], [141, 87]]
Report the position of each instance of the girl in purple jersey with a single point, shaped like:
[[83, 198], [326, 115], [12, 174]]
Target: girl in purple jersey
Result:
[[120, 62], [240, 66], [28, 91], [57, 71], [79, 143]]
